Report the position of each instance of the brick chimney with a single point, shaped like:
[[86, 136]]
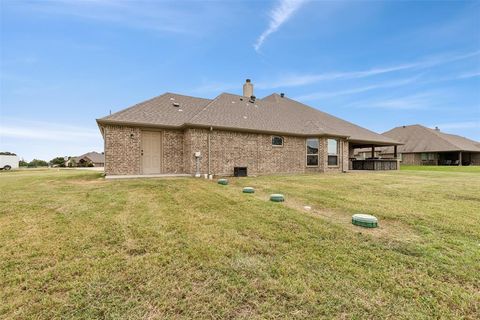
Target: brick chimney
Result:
[[248, 88]]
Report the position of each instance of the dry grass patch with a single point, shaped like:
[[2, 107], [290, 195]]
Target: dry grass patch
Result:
[[75, 246]]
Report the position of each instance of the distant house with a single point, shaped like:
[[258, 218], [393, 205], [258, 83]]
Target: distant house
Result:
[[230, 135], [90, 159], [425, 146]]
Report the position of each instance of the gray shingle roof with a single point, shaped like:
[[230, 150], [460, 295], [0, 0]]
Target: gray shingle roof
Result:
[[160, 111], [272, 114], [93, 156], [417, 138]]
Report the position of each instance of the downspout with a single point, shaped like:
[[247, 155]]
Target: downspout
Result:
[[104, 151], [208, 144]]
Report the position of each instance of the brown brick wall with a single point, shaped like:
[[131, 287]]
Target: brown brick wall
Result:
[[173, 145], [230, 149], [122, 150], [411, 159]]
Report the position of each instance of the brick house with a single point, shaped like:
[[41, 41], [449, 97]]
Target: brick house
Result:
[[425, 146], [230, 134], [93, 158]]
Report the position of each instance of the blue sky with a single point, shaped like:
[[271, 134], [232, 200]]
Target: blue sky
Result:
[[379, 64]]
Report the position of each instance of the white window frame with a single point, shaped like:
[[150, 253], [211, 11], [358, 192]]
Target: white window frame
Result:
[[331, 154], [312, 154]]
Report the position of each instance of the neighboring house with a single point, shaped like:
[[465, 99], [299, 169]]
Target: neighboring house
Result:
[[229, 135], [425, 146], [93, 159]]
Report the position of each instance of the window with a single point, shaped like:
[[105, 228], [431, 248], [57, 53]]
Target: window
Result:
[[431, 156], [277, 141], [312, 152], [332, 152], [424, 156]]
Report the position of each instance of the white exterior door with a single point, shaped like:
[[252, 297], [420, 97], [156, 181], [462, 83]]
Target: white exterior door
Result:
[[151, 152]]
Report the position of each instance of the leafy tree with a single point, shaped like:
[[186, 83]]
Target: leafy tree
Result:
[[72, 163], [23, 163], [6, 153], [37, 163], [58, 161]]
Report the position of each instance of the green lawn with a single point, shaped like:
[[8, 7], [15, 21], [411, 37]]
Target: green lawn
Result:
[[73, 245], [442, 168]]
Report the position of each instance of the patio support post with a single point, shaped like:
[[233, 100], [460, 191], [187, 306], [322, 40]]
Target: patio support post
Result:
[[373, 151], [395, 152], [460, 158]]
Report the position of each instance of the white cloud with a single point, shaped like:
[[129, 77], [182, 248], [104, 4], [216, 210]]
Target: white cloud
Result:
[[469, 75], [307, 79], [381, 85], [278, 16], [420, 101]]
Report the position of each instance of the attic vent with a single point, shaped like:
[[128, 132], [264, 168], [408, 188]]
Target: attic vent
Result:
[[282, 95], [176, 104], [252, 99], [172, 99]]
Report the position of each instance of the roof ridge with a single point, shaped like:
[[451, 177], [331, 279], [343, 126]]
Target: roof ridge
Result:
[[186, 95], [204, 108], [440, 135]]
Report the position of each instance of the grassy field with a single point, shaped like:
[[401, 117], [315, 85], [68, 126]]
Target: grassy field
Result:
[[73, 245], [471, 169]]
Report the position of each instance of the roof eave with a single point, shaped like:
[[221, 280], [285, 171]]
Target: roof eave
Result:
[[137, 124], [377, 143]]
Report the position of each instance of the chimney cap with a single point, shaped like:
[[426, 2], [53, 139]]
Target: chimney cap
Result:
[[248, 80]]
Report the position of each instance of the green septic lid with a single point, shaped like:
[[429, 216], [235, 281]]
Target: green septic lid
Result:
[[223, 181], [277, 197], [364, 220], [248, 190]]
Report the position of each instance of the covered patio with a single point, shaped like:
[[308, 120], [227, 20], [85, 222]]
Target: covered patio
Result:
[[460, 158], [373, 162]]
